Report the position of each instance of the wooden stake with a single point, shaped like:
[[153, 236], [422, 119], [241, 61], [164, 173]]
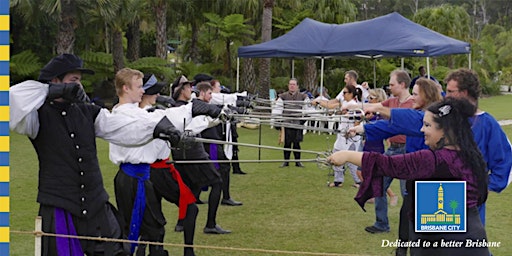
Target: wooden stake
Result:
[[38, 235]]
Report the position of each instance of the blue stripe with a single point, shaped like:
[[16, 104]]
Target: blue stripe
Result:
[[4, 68], [4, 248], [4, 188], [4, 10], [4, 220], [4, 128], [4, 37], [4, 160], [4, 98]]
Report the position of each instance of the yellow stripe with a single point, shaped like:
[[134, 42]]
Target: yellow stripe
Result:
[[4, 204], [4, 83], [4, 113], [4, 143], [4, 52], [4, 173], [4, 22], [4, 234]]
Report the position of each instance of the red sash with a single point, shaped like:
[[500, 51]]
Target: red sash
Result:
[[186, 196]]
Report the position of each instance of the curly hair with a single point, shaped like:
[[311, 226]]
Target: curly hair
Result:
[[452, 116], [467, 80]]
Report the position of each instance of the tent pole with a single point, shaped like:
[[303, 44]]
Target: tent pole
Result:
[[469, 60], [293, 68], [322, 77], [374, 73], [237, 74], [428, 67]]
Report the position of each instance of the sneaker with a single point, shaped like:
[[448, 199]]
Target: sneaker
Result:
[[393, 201], [285, 164], [375, 230], [356, 185]]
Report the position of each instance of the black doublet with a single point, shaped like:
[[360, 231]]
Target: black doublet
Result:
[[69, 173], [200, 174], [195, 151]]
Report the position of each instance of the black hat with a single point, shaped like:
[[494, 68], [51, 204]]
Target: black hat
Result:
[[202, 77], [62, 64], [150, 85], [178, 84]]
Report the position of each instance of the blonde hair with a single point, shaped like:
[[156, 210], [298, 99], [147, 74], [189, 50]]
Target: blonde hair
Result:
[[124, 77], [379, 93]]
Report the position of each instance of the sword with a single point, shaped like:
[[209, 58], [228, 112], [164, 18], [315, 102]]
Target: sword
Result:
[[221, 142], [321, 162]]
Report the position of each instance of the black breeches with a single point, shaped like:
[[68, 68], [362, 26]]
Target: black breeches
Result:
[[225, 175], [104, 224], [213, 203]]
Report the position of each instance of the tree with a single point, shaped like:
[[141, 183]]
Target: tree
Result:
[[266, 35], [231, 28], [160, 8], [453, 204], [449, 20], [329, 11], [133, 40], [117, 15]]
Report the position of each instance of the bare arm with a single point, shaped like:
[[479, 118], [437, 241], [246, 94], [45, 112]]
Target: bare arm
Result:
[[329, 104], [343, 156]]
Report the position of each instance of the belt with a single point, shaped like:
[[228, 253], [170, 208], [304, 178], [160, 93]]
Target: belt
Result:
[[397, 145]]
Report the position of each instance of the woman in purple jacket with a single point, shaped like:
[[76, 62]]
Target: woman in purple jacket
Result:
[[452, 155]]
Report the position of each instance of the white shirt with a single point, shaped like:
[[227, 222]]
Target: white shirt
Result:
[[225, 98], [27, 97]]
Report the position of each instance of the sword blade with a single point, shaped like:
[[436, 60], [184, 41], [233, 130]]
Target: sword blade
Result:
[[203, 140], [247, 161]]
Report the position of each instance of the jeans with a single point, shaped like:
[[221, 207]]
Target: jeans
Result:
[[381, 203]]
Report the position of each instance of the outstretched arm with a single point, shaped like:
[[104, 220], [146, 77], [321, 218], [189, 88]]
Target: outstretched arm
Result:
[[329, 104], [343, 156]]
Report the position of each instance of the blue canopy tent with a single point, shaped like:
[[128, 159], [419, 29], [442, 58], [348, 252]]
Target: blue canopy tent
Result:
[[385, 36]]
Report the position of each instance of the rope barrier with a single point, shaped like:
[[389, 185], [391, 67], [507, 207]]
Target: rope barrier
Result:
[[104, 239]]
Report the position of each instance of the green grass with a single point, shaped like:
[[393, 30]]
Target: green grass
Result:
[[284, 208], [498, 106]]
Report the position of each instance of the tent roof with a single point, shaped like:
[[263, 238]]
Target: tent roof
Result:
[[384, 36]]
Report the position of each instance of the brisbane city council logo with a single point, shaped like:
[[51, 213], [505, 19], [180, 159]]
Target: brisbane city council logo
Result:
[[440, 206]]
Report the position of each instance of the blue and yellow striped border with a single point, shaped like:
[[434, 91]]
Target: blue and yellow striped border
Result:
[[4, 127]]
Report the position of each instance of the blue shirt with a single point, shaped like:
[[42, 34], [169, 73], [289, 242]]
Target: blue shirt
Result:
[[406, 124], [490, 138]]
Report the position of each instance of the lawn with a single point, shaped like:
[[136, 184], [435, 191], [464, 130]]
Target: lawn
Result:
[[286, 209]]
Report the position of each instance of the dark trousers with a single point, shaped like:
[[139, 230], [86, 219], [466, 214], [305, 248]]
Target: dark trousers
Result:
[[153, 222], [235, 164], [403, 225], [225, 175], [104, 224], [213, 203], [292, 139], [166, 187]]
